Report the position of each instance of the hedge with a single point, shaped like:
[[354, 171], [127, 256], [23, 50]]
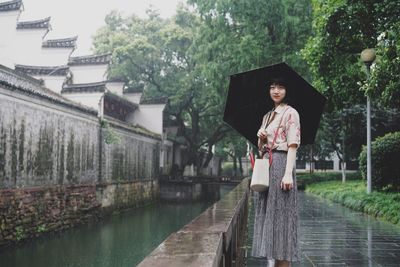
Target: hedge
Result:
[[385, 155], [352, 194]]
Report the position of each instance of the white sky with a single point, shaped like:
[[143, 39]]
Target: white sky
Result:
[[83, 17]]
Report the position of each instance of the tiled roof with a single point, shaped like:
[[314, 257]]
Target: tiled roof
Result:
[[122, 100], [18, 81], [43, 70], [134, 89], [63, 43], [90, 60], [155, 100], [10, 5], [119, 79], [35, 24], [84, 88]]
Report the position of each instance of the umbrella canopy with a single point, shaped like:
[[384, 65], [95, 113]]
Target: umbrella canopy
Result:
[[248, 101]]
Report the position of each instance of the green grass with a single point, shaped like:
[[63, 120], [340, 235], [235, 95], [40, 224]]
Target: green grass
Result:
[[352, 194], [304, 179]]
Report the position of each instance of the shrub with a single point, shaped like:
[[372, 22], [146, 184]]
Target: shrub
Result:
[[304, 179], [352, 194], [385, 154]]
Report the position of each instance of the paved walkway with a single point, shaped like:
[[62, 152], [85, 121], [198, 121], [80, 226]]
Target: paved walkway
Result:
[[332, 235]]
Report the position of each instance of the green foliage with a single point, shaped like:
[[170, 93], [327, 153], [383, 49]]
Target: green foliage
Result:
[[160, 54], [19, 233], [353, 194], [342, 29], [227, 169], [326, 176], [41, 228], [305, 179], [385, 154], [111, 137], [384, 83], [189, 57]]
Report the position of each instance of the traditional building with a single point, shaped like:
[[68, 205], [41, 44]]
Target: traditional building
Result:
[[81, 79]]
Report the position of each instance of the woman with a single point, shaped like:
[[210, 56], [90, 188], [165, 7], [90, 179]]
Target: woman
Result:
[[276, 210]]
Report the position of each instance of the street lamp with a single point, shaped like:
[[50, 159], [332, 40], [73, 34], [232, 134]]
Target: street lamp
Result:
[[368, 57]]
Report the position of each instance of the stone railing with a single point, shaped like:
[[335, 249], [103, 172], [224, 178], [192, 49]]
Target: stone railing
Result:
[[214, 238]]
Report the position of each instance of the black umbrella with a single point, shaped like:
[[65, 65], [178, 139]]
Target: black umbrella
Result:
[[248, 100]]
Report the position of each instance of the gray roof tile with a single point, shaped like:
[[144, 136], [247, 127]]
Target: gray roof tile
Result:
[[61, 43], [34, 24], [90, 60], [10, 5], [43, 70]]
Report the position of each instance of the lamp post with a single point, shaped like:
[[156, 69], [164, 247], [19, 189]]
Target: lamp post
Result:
[[368, 57]]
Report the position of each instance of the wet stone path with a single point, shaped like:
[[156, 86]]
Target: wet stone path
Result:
[[333, 235]]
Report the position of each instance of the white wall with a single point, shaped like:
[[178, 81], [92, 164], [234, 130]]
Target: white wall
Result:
[[54, 56], [115, 87], [133, 97], [87, 99], [28, 46], [8, 25], [89, 73], [24, 46], [149, 116], [54, 83]]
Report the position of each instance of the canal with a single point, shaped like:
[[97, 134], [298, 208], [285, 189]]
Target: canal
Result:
[[120, 240]]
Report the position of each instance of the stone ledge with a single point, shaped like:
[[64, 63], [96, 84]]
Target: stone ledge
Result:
[[205, 240]]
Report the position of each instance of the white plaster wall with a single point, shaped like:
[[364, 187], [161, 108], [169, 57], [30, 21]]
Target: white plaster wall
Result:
[[54, 83], [54, 56], [8, 24], [336, 161], [28, 46], [149, 116], [133, 97], [89, 73], [115, 87], [88, 99]]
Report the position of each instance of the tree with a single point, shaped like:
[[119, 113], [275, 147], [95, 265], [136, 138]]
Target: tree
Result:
[[342, 29], [160, 54], [240, 35], [189, 57], [235, 147]]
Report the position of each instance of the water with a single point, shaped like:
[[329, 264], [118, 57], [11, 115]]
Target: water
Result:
[[120, 240]]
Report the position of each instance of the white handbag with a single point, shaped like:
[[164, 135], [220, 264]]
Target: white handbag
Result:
[[260, 177]]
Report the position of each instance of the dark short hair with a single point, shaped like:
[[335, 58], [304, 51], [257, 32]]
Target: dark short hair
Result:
[[278, 80]]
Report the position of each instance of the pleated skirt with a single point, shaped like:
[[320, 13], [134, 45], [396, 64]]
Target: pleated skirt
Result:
[[276, 216]]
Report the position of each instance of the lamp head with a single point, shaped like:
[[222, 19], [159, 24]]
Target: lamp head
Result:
[[368, 55]]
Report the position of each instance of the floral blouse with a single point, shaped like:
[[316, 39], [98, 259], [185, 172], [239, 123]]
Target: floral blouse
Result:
[[289, 130]]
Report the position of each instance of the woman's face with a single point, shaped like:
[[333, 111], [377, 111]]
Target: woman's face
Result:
[[277, 92]]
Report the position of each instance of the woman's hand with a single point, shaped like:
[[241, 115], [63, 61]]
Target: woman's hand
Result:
[[287, 182], [262, 134]]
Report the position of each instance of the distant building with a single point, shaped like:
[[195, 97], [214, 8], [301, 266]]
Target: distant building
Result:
[[81, 79]]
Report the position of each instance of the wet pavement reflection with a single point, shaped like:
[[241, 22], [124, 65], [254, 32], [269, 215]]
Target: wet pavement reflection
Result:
[[333, 235]]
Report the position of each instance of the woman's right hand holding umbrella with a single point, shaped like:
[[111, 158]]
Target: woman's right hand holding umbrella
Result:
[[262, 134]]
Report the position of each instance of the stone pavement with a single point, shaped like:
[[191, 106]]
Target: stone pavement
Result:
[[333, 235]]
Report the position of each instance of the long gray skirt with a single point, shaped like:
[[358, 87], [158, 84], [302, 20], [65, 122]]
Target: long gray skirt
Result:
[[276, 216]]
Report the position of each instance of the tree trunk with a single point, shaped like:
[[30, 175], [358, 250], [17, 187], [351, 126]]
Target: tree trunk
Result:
[[240, 166], [343, 164], [343, 161], [234, 167], [311, 160]]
